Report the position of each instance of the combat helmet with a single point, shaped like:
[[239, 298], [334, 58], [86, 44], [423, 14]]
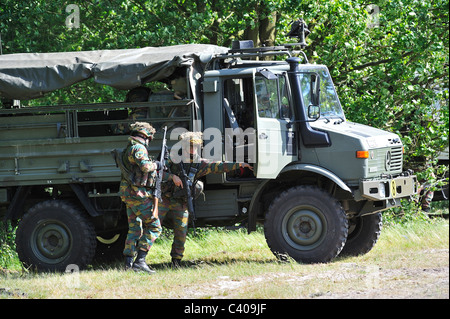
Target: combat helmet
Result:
[[191, 144], [194, 138], [142, 128]]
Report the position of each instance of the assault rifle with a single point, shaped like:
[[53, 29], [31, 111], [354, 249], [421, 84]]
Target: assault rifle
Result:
[[157, 191], [187, 186]]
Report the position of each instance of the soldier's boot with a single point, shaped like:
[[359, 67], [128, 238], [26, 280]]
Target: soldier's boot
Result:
[[128, 262], [140, 264], [176, 263]]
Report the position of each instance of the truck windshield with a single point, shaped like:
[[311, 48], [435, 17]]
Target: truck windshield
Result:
[[330, 107]]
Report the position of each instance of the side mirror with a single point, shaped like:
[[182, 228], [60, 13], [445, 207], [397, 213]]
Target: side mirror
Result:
[[314, 112], [315, 89]]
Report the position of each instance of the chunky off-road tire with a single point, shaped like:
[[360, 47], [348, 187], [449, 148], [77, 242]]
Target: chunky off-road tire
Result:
[[363, 234], [306, 224], [54, 234]]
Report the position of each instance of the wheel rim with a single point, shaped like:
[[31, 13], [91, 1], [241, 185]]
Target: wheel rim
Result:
[[304, 227], [110, 241], [51, 241]]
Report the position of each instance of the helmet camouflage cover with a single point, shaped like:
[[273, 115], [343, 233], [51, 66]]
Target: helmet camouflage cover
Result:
[[194, 138], [143, 128]]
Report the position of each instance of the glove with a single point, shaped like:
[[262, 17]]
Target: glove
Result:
[[166, 153], [159, 166]]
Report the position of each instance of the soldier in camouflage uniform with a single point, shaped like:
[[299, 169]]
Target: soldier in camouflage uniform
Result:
[[426, 195], [136, 190], [174, 201]]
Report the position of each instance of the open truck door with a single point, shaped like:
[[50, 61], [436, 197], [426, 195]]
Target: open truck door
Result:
[[276, 137]]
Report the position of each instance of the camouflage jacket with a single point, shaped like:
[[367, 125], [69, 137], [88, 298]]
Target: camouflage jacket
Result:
[[142, 168], [200, 167]]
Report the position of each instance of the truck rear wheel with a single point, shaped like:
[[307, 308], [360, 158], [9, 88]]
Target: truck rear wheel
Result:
[[54, 234], [306, 224], [363, 234]]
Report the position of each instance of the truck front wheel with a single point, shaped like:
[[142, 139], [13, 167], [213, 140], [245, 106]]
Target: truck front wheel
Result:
[[306, 224], [54, 234]]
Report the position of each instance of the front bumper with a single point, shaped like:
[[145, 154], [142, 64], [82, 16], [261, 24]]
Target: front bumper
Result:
[[386, 188]]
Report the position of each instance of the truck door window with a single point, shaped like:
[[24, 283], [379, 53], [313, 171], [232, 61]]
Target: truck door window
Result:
[[272, 97], [267, 97]]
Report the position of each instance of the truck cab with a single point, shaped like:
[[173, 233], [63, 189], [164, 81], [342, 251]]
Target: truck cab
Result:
[[286, 118]]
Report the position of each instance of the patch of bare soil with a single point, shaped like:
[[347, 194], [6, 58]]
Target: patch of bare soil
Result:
[[348, 281], [404, 283]]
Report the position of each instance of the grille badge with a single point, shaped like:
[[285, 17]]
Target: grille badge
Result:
[[388, 160]]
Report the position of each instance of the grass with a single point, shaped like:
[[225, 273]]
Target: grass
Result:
[[234, 264]]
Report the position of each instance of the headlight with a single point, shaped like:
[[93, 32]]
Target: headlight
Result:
[[382, 190]]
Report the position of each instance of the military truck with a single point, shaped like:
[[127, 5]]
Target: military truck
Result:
[[319, 183]]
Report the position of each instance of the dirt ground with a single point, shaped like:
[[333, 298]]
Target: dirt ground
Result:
[[405, 283], [350, 281]]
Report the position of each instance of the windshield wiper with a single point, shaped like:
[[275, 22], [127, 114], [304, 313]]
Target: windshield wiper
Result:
[[341, 120]]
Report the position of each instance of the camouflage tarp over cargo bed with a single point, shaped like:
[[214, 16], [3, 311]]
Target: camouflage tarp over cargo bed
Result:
[[29, 75]]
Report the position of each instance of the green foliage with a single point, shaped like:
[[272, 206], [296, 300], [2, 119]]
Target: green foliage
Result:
[[8, 255], [393, 75], [407, 213], [411, 212]]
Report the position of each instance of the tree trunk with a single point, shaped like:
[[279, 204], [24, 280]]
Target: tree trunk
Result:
[[267, 30], [264, 30]]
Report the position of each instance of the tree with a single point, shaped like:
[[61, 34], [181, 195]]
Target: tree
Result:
[[395, 75]]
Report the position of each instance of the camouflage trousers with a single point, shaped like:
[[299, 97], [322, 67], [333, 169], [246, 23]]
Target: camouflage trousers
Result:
[[426, 200], [175, 209], [143, 229]]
